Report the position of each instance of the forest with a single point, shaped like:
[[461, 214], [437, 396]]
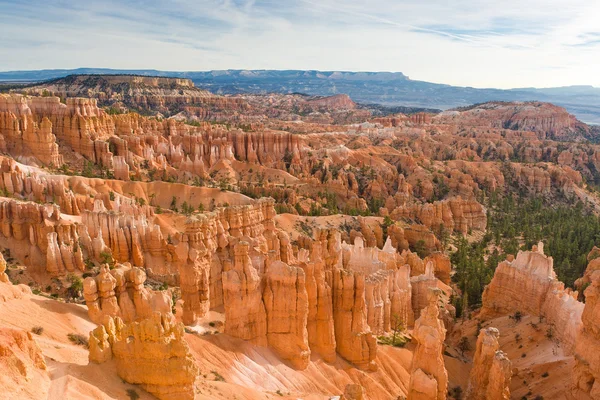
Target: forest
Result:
[[569, 232]]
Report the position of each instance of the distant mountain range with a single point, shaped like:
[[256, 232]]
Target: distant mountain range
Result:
[[386, 88]]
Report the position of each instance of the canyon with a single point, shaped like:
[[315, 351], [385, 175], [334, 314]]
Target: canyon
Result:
[[266, 246]]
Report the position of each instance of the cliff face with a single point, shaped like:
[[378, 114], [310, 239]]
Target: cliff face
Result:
[[529, 285], [151, 353]]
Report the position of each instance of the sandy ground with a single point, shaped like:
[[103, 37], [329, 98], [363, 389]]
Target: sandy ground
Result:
[[540, 364], [247, 371]]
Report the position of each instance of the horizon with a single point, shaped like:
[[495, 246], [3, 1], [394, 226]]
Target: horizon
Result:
[[123, 71], [539, 44]]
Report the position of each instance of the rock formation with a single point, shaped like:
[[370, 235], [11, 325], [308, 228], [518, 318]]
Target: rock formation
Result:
[[586, 374], [286, 304], [529, 285], [151, 353], [428, 378], [120, 292], [491, 372], [24, 373], [245, 313]]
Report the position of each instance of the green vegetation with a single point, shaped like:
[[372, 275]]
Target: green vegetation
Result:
[[517, 223], [38, 330], [78, 339]]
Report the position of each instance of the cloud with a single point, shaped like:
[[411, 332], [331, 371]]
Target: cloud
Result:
[[481, 43]]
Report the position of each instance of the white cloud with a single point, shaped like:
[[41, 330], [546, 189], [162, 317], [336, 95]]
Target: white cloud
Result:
[[464, 42]]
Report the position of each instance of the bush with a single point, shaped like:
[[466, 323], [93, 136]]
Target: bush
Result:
[[218, 376], [545, 374], [76, 288], [133, 395], [518, 316], [78, 339], [38, 330], [464, 344]]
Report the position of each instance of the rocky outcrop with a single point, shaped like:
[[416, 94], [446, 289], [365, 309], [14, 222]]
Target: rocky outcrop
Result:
[[354, 339], [453, 215], [24, 372], [428, 377], [529, 285], [37, 235], [545, 119], [24, 136], [491, 372], [3, 276], [586, 374], [354, 392], [151, 353], [286, 304], [245, 314], [120, 292]]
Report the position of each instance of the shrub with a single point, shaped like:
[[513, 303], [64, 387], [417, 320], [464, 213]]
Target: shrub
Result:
[[518, 316], [133, 395], [464, 344], [218, 376], [78, 339], [38, 330]]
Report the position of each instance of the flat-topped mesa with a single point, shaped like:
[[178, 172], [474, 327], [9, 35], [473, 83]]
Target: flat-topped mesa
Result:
[[529, 285], [120, 292], [428, 378], [491, 372], [586, 374], [151, 353]]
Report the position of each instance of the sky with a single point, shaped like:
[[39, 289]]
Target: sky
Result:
[[479, 43]]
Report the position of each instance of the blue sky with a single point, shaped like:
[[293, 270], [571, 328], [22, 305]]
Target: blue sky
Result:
[[478, 43]]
